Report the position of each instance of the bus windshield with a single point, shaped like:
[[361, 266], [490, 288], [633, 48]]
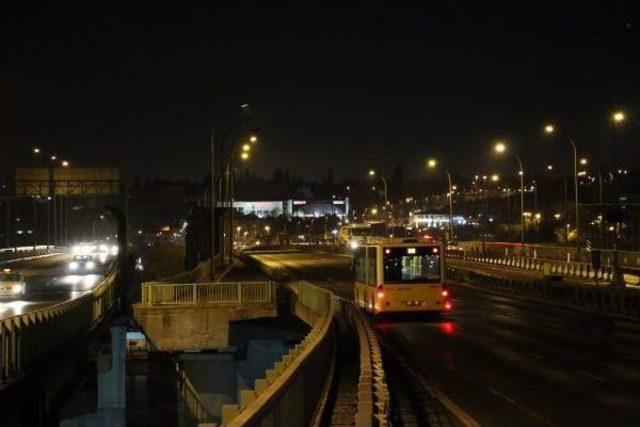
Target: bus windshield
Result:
[[411, 265], [360, 231]]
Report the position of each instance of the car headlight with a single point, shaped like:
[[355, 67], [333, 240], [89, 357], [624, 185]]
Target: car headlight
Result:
[[90, 265], [73, 265]]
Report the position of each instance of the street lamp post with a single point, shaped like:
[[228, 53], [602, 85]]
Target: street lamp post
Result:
[[212, 199], [550, 129], [244, 155], [373, 173], [618, 118], [432, 163], [500, 148]]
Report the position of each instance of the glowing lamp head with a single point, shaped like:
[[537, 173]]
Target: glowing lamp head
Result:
[[618, 117], [36, 150], [246, 147], [549, 129], [500, 147], [495, 177], [244, 156], [432, 163], [583, 161], [253, 139], [372, 172]]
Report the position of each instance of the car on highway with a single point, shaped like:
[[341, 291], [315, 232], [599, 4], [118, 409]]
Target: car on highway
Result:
[[12, 285], [82, 263]]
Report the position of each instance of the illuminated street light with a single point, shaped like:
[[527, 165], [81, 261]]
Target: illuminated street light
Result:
[[54, 157], [495, 177], [374, 211], [432, 163], [267, 229], [500, 147], [372, 173], [574, 148], [246, 147], [244, 156], [65, 164], [253, 139], [36, 150], [549, 128], [618, 117], [550, 167]]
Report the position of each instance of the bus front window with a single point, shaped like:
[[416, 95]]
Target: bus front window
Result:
[[411, 265]]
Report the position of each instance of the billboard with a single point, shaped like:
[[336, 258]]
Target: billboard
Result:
[[67, 181]]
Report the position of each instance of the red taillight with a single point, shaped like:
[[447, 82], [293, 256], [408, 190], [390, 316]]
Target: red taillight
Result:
[[445, 293], [447, 305], [380, 292]]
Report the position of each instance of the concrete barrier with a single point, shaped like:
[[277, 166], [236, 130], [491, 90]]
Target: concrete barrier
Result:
[[602, 299]]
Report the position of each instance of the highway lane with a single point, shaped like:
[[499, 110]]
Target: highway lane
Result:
[[505, 361], [49, 282]]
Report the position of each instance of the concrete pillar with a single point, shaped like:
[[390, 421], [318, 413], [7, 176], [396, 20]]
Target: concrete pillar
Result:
[[111, 371]]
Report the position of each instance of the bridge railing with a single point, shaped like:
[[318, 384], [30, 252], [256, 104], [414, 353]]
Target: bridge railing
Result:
[[159, 293], [573, 269], [290, 391], [29, 337]]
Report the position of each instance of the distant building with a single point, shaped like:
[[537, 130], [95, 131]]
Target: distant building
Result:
[[431, 220], [293, 208]]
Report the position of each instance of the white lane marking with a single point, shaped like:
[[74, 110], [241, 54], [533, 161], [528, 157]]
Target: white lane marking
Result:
[[592, 376], [519, 406], [464, 418]]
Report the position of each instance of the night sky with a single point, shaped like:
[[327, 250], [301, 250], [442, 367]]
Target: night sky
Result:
[[341, 85]]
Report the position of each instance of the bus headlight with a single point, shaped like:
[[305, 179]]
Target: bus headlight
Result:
[[73, 266], [90, 265]]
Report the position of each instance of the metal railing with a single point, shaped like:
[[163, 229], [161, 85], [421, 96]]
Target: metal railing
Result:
[[29, 337], [159, 293], [573, 269], [193, 405]]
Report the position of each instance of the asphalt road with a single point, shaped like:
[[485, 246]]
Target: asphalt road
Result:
[[49, 282], [504, 361]]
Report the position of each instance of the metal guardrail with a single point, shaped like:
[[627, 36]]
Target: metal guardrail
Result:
[[189, 397], [159, 293], [573, 269], [29, 337], [287, 394], [601, 299]]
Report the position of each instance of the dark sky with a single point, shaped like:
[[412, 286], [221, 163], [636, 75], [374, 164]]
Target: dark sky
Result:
[[344, 85]]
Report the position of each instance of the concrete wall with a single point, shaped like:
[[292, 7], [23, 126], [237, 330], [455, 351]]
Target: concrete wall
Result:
[[195, 327]]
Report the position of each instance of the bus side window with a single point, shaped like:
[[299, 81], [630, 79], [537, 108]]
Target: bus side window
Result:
[[371, 265], [360, 266]]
